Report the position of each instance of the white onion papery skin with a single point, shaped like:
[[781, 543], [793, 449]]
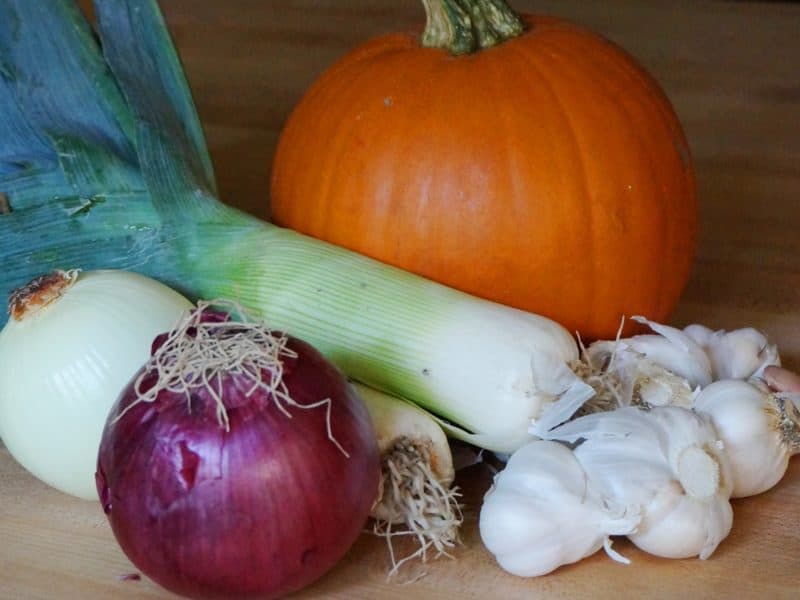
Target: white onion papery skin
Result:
[[62, 368]]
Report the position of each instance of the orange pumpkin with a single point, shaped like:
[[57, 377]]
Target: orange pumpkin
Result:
[[548, 172]]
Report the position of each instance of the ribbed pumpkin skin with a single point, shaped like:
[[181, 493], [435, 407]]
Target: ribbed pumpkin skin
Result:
[[548, 173]]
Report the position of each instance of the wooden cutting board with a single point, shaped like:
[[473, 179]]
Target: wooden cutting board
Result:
[[55, 546], [731, 69]]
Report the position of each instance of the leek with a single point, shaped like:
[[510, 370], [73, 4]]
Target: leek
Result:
[[416, 497], [103, 165]]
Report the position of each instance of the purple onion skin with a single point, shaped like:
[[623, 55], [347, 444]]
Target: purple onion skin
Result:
[[260, 511]]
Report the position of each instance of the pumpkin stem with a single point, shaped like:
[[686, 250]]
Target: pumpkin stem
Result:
[[465, 26]]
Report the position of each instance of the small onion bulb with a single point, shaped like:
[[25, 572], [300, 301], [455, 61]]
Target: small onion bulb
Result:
[[238, 463], [72, 342]]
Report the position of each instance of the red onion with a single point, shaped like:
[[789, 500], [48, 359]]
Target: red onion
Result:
[[222, 491]]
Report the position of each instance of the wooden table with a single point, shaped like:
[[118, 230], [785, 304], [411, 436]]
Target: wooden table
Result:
[[732, 70]]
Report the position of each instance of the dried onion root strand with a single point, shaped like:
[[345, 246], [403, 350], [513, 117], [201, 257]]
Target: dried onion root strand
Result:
[[413, 502], [203, 347]]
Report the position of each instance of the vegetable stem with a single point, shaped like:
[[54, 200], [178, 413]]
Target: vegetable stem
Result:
[[40, 292], [466, 26]]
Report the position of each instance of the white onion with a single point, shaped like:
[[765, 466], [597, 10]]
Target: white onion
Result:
[[63, 365]]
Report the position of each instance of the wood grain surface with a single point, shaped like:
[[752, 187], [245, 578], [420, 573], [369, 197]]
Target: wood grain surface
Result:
[[732, 70]]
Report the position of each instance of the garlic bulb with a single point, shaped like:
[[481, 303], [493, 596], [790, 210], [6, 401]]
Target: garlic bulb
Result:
[[669, 462], [645, 370], [669, 366], [738, 354], [760, 431], [72, 343], [668, 348], [542, 512]]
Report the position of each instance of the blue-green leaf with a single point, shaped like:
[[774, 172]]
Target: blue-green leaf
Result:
[[170, 143]]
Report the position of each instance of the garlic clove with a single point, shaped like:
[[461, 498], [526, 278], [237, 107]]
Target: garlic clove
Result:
[[699, 333], [741, 354], [656, 386], [540, 512], [540, 468], [534, 540], [783, 381], [670, 527], [738, 354], [674, 350]]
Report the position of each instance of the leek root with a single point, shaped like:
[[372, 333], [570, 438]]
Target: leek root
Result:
[[417, 498]]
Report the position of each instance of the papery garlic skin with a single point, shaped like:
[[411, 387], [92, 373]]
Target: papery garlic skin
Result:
[[738, 354], [669, 462], [758, 429], [562, 391], [668, 347], [541, 512], [63, 365]]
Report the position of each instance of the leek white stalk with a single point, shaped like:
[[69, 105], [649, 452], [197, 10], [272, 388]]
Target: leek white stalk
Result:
[[72, 343], [416, 498], [487, 371], [669, 462], [760, 431], [542, 512]]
